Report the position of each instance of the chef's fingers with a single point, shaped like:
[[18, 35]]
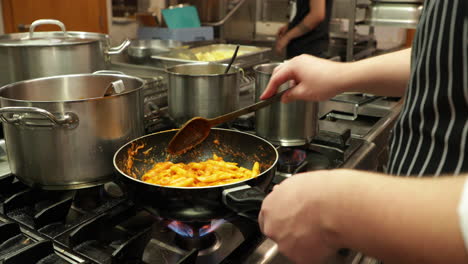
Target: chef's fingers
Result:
[[261, 215], [283, 75], [293, 94], [277, 68], [260, 220], [292, 83]]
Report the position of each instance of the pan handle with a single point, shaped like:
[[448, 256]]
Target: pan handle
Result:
[[244, 200], [247, 201]]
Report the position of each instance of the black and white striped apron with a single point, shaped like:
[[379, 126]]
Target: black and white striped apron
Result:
[[431, 134]]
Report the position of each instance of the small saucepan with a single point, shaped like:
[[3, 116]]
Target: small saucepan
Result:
[[198, 204]]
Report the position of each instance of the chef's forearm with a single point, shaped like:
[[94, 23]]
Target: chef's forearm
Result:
[[397, 220], [385, 75], [307, 24], [310, 21]]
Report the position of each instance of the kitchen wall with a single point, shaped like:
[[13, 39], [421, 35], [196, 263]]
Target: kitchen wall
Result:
[[1, 19], [122, 28], [387, 37], [119, 29]]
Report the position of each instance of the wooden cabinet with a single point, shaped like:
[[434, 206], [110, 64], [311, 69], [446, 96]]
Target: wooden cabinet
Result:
[[77, 15]]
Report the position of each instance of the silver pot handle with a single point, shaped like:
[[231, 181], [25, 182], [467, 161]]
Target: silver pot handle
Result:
[[24, 116], [47, 22], [3, 150], [118, 49], [108, 72]]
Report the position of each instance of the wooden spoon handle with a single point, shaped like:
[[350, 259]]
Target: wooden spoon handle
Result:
[[254, 107]]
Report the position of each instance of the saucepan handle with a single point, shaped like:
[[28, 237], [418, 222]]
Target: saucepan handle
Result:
[[119, 49], [247, 201], [47, 22], [28, 117], [244, 200]]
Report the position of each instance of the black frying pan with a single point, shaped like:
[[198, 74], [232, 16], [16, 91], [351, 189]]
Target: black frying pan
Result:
[[198, 204]]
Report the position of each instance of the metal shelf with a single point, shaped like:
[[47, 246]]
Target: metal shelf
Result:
[[352, 23]]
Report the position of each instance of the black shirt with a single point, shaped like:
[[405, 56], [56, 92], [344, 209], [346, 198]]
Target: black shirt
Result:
[[431, 134], [314, 42]]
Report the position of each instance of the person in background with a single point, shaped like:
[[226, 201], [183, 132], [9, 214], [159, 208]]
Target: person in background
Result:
[[307, 33], [395, 219]]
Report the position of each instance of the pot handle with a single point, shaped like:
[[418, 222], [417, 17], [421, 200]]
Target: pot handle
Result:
[[3, 150], [47, 22], [118, 49], [244, 200], [22, 116]]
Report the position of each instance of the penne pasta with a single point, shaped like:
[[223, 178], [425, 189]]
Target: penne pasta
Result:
[[211, 172]]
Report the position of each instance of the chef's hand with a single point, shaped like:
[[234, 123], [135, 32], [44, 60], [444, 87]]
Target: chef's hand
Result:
[[281, 44], [281, 31], [293, 216], [315, 79]]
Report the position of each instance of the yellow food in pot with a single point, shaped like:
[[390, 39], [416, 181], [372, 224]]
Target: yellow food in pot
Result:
[[216, 55]]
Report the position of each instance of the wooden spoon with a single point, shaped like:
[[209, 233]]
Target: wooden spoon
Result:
[[197, 129]]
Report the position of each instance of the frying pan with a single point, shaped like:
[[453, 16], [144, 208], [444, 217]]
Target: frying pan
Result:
[[198, 204]]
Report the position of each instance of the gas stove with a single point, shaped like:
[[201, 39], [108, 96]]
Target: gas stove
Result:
[[100, 225]]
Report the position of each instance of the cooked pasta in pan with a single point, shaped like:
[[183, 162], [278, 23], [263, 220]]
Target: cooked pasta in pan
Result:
[[211, 172]]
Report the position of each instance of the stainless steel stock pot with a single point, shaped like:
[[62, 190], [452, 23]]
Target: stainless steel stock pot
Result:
[[291, 124], [202, 89], [61, 133], [31, 55]]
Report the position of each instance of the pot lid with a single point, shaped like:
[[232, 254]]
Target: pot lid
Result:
[[51, 40]]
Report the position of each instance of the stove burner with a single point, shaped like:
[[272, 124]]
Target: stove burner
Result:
[[208, 228], [290, 159], [194, 230], [89, 198], [200, 242], [181, 229]]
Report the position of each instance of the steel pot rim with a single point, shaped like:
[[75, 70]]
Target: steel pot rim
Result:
[[257, 68], [236, 69], [85, 38], [9, 86], [123, 174]]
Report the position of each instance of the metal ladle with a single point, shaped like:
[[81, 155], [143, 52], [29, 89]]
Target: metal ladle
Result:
[[114, 87], [232, 60], [197, 129]]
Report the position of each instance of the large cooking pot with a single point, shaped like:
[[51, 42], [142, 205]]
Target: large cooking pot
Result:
[[292, 124], [61, 134], [39, 54], [198, 204], [202, 89]]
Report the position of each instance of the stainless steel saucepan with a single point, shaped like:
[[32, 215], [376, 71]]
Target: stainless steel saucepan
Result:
[[292, 124], [202, 89]]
